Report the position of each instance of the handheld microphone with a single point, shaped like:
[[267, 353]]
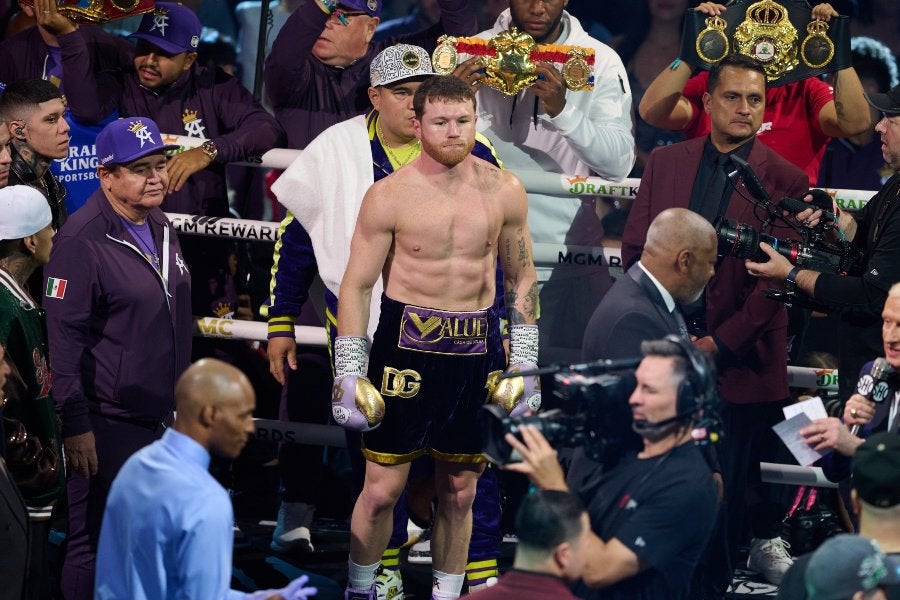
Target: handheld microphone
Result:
[[874, 385]]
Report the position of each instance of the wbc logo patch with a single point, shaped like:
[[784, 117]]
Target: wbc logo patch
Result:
[[56, 288]]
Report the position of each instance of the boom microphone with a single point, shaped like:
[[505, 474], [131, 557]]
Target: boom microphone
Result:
[[751, 181], [874, 385]]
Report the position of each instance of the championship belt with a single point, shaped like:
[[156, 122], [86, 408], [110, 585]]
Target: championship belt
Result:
[[100, 11], [780, 35], [510, 59]]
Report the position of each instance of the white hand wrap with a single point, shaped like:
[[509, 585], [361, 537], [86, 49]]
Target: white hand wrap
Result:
[[523, 344], [350, 356]]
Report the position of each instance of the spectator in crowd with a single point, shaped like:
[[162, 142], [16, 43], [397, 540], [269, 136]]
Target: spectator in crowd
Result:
[[875, 497], [33, 112], [14, 525], [551, 128], [856, 162], [653, 35], [119, 320], [327, 206], [181, 545], [745, 331], [318, 71], [860, 296], [33, 446], [458, 271], [641, 546], [5, 152], [36, 53], [553, 528], [799, 117]]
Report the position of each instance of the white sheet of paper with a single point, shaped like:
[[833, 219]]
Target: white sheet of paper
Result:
[[789, 432], [812, 408]]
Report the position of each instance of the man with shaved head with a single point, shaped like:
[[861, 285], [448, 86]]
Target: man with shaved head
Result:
[[180, 547], [678, 260]]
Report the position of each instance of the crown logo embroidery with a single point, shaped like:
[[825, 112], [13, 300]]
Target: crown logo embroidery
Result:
[[189, 115], [193, 124], [160, 11], [141, 132]]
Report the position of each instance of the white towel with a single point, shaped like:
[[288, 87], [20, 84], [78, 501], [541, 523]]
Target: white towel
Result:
[[327, 205]]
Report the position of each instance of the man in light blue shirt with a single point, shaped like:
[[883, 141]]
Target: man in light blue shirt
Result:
[[167, 529]]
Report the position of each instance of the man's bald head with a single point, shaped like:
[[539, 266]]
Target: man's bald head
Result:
[[680, 252], [215, 404]]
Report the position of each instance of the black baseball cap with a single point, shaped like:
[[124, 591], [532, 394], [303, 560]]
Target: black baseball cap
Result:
[[876, 470], [888, 103]]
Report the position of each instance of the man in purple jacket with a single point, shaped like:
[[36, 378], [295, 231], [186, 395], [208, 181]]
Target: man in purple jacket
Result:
[[118, 302], [318, 71]]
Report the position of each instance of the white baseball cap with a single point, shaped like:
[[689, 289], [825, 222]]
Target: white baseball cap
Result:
[[399, 62], [24, 212]]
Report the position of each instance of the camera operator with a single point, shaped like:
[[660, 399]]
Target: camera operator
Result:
[[641, 545], [875, 230]]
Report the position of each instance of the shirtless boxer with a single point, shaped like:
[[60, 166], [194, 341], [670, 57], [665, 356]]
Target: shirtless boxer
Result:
[[433, 230]]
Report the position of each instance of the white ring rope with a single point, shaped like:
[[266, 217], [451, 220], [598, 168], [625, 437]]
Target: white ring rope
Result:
[[538, 182]]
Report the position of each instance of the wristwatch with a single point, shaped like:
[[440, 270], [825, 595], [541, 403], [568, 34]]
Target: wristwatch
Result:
[[791, 278], [209, 148]]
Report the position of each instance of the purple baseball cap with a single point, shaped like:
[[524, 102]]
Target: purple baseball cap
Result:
[[172, 27], [370, 7], [129, 139]]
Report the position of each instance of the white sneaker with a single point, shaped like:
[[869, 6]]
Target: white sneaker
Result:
[[292, 530], [420, 553], [770, 558], [388, 584]]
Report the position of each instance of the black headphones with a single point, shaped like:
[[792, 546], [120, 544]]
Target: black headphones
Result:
[[698, 388]]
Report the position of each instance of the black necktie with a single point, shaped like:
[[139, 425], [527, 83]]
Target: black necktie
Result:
[[715, 188]]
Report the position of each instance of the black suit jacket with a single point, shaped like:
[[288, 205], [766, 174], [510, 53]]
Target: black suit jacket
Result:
[[14, 539], [752, 328], [632, 311]]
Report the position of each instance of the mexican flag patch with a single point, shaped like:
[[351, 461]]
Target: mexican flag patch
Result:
[[56, 288]]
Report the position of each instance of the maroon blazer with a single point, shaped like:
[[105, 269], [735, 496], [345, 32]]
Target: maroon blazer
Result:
[[752, 327]]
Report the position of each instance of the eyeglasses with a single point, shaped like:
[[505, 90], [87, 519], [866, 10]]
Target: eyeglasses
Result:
[[344, 15]]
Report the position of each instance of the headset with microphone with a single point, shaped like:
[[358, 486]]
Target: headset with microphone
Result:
[[696, 392]]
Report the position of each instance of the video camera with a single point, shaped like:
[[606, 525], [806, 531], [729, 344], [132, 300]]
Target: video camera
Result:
[[813, 252], [596, 414]]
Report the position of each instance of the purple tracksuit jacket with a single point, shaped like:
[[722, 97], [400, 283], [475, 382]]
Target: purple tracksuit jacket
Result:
[[120, 335]]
